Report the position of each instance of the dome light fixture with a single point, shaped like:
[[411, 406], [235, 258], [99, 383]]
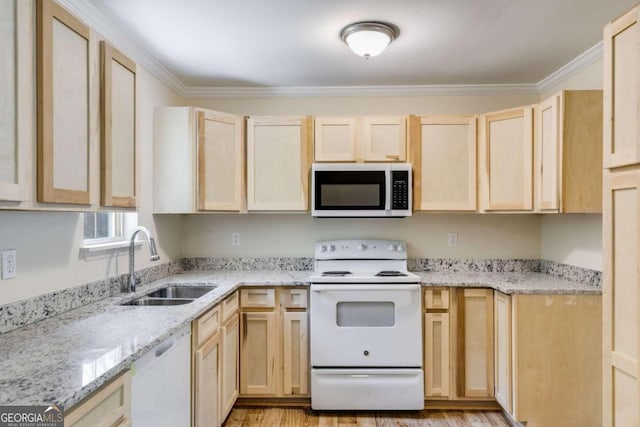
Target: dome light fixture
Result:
[[368, 39]]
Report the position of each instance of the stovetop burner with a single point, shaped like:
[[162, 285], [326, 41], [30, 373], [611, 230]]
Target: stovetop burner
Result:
[[390, 273], [337, 273]]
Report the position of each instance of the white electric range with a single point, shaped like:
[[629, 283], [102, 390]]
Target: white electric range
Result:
[[366, 329]]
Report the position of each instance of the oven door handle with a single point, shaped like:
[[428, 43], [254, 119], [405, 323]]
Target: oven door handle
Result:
[[360, 288]]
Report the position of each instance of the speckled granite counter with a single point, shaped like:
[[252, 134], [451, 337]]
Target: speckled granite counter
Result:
[[509, 283], [64, 358]]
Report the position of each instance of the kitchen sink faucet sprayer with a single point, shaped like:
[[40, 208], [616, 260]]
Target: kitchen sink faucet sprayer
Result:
[[152, 249]]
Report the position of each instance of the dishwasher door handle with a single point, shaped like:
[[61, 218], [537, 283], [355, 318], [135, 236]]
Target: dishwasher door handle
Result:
[[163, 348]]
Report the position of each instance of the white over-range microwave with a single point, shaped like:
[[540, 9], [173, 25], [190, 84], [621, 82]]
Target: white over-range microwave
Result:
[[361, 190]]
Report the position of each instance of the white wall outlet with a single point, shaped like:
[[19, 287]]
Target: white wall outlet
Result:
[[9, 264], [452, 239], [235, 238]]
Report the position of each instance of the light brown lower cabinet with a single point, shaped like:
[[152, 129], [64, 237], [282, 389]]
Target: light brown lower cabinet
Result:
[[109, 406], [474, 343], [548, 359], [230, 337], [206, 369], [437, 372], [274, 342]]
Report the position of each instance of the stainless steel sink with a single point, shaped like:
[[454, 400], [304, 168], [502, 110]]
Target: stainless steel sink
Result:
[[158, 301], [172, 295], [177, 291]]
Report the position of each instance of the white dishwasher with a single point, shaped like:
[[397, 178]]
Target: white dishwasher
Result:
[[161, 384]]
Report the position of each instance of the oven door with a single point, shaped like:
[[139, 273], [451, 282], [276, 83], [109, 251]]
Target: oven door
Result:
[[366, 325], [350, 192]]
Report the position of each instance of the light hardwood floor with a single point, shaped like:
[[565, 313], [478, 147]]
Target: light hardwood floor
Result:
[[299, 417]]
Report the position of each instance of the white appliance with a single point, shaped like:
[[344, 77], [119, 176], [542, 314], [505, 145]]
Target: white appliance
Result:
[[361, 190], [366, 328], [161, 384]]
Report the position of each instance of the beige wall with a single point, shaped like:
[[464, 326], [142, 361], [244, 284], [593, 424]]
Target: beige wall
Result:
[[48, 243], [573, 239], [479, 236], [589, 77]]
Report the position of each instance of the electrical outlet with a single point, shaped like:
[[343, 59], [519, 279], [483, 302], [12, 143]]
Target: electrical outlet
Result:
[[235, 238], [9, 264], [453, 239]]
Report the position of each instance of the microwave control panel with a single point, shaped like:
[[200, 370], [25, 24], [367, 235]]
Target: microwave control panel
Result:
[[400, 190]]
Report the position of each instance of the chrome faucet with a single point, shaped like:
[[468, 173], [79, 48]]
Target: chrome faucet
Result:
[[152, 248]]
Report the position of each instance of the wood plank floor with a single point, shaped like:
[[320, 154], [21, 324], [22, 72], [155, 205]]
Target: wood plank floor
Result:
[[300, 417]]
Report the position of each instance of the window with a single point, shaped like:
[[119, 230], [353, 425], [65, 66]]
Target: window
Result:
[[108, 228]]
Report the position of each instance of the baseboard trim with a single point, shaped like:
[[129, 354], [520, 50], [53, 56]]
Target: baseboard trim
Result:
[[283, 402], [305, 402], [476, 405]]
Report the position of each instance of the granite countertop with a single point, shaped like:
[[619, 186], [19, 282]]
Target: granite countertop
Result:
[[65, 358]]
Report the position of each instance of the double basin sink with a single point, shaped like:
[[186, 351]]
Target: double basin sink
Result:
[[172, 294]]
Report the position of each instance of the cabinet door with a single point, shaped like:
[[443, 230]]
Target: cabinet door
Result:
[[258, 358], [118, 130], [436, 354], [220, 162], [206, 395], [15, 78], [336, 139], [443, 152], [230, 365], [384, 138], [295, 352], [548, 152], [475, 340], [278, 162], [108, 406], [621, 298], [621, 79], [508, 168], [63, 106], [502, 353]]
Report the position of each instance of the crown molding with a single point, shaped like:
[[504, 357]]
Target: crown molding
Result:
[[127, 42], [124, 41], [588, 57], [338, 91]]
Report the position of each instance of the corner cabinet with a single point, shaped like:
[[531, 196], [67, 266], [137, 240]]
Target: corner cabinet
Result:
[[198, 161], [506, 160], [64, 82], [443, 152], [278, 163], [568, 153], [547, 359], [274, 342], [358, 139], [621, 80], [16, 77]]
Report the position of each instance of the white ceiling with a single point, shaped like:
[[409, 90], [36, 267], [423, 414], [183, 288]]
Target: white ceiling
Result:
[[259, 43]]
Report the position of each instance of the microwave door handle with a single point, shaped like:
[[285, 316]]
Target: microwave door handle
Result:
[[387, 196]]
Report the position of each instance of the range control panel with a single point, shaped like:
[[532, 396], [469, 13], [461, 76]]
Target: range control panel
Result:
[[361, 249]]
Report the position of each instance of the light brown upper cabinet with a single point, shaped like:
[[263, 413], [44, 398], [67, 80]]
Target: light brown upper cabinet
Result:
[[63, 106], [568, 155], [336, 139], [118, 130], [443, 152], [198, 161], [278, 163], [621, 91], [358, 139], [15, 102], [506, 166]]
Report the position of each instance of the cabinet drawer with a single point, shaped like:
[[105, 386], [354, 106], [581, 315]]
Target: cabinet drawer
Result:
[[294, 298], [436, 299], [230, 306], [206, 326], [109, 406], [258, 298]]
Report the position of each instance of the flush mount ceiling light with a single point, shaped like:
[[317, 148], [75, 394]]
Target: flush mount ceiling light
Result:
[[368, 38]]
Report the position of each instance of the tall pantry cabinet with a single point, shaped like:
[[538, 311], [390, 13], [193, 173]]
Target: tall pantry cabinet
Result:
[[621, 222]]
